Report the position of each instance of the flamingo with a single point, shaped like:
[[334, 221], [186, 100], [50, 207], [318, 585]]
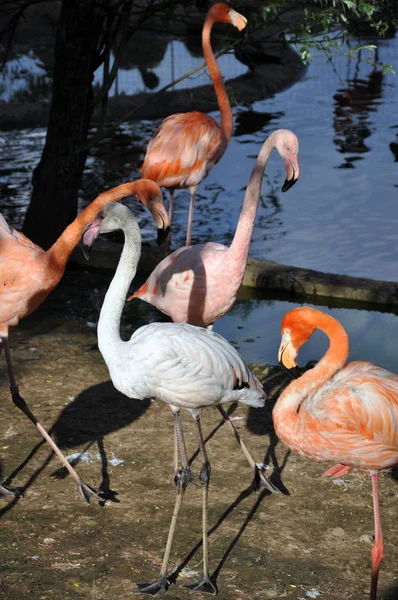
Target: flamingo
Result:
[[187, 145], [198, 284], [28, 275], [336, 412], [185, 366]]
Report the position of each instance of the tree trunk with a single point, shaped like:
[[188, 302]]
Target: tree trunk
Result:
[[56, 179]]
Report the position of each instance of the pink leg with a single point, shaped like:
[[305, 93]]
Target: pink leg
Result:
[[85, 491], [171, 202], [337, 471], [378, 546], [190, 216]]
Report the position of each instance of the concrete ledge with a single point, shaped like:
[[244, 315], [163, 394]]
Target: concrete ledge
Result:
[[269, 275]]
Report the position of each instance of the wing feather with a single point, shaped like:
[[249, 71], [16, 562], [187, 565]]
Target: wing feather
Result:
[[190, 366], [183, 150]]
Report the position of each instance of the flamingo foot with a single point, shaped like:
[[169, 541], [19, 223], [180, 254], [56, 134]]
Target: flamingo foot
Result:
[[87, 493], [10, 492], [337, 471], [160, 586], [205, 586], [182, 478], [260, 482]]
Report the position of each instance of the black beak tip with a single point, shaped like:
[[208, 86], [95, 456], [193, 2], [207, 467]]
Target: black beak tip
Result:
[[293, 372], [86, 251], [289, 183], [162, 235]]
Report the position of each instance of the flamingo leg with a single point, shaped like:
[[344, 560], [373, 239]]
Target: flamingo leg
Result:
[[85, 491], [171, 202], [180, 480], [204, 585], [257, 474], [190, 215], [378, 546], [337, 471]]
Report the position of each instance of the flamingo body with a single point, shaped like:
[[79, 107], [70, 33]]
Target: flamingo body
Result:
[[198, 284], [334, 412], [28, 274], [352, 419], [187, 145], [187, 367], [184, 149], [195, 284], [24, 282]]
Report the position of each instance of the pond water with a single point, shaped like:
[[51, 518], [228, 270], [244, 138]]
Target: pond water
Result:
[[341, 216]]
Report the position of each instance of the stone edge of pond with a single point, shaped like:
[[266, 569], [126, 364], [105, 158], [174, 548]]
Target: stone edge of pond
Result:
[[267, 276]]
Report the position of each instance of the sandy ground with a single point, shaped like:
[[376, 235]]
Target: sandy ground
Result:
[[311, 541]]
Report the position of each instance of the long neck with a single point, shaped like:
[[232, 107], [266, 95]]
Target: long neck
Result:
[[216, 77], [239, 248], [61, 250], [286, 410], [109, 321]]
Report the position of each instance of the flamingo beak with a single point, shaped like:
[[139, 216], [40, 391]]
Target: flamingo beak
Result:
[[162, 235], [292, 171], [238, 20], [89, 235], [287, 357], [161, 219], [159, 215]]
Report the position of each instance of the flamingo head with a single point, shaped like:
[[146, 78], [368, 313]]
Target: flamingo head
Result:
[[110, 218], [222, 13], [149, 193], [288, 147], [297, 328]]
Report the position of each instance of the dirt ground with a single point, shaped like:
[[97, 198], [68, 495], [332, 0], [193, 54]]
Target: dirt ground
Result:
[[313, 540]]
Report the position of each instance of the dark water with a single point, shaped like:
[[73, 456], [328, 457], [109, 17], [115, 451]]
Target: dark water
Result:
[[341, 216]]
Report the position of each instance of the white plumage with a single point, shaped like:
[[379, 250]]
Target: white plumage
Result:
[[186, 366]]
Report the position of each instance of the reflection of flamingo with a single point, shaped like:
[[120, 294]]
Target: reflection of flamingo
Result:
[[187, 145], [198, 284], [346, 414], [185, 366], [28, 275]]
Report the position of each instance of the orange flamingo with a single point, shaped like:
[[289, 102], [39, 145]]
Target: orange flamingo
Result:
[[187, 145], [28, 275], [335, 412]]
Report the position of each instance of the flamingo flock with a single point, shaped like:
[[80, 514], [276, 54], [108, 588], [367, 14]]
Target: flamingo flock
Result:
[[345, 414]]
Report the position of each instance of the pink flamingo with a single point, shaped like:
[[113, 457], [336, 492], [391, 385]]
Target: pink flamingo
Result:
[[28, 275], [198, 284], [187, 145], [336, 412]]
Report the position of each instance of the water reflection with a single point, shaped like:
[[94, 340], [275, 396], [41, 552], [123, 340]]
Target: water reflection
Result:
[[354, 106]]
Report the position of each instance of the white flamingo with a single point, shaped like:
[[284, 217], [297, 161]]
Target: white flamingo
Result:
[[186, 366]]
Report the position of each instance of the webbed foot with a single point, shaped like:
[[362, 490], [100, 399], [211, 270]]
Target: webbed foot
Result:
[[260, 482], [160, 586], [205, 585], [87, 493], [10, 492]]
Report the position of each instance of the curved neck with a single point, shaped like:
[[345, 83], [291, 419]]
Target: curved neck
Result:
[[243, 234], [287, 407], [61, 250], [115, 297], [216, 77]]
